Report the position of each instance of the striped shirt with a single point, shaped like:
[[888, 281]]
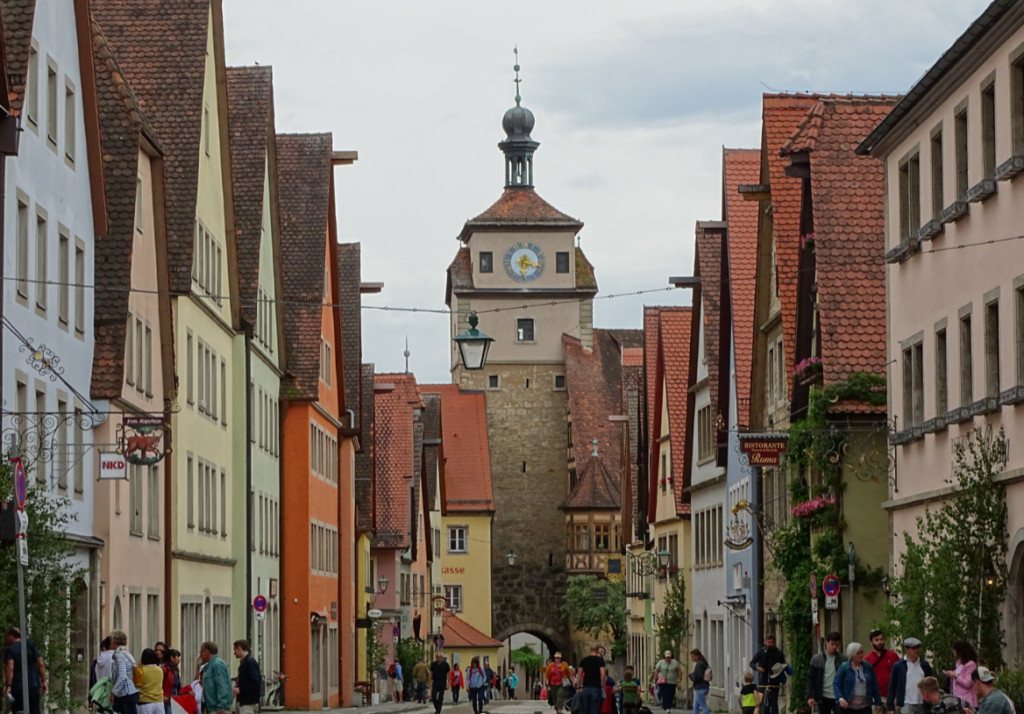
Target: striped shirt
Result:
[[124, 683]]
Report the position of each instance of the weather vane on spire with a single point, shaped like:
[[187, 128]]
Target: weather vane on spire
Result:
[[515, 51]]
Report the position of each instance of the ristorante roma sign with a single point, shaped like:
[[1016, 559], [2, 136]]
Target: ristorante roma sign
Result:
[[763, 449]]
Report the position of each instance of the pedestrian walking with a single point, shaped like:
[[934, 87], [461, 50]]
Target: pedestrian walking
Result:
[[489, 687], [770, 674], [217, 692], [855, 686], [476, 678], [125, 694], [881, 661], [149, 678], [12, 670], [439, 671], [397, 682], [963, 674], [457, 682], [382, 681], [991, 700], [939, 702], [556, 676], [821, 676], [906, 674], [701, 679], [420, 676], [608, 702], [590, 680], [629, 692], [749, 696], [250, 681], [666, 676], [511, 682]]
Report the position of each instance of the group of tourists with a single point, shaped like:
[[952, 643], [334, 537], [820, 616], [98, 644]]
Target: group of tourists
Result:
[[588, 686], [480, 682], [118, 682]]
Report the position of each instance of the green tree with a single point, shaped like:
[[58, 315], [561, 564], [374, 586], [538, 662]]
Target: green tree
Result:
[[526, 659], [376, 651], [954, 574], [599, 615], [52, 581], [674, 621]]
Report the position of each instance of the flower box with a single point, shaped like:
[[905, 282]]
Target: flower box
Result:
[[813, 507]]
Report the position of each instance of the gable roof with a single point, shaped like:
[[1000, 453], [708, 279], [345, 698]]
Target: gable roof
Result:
[[652, 333], [18, 16], [459, 634], [349, 297], [121, 127], [674, 354], [593, 382], [741, 166], [595, 489], [365, 479], [848, 197], [162, 50], [396, 464], [520, 207], [431, 443], [304, 177], [708, 265], [465, 447], [251, 123]]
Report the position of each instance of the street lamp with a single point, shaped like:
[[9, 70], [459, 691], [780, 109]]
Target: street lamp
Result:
[[686, 281], [886, 587], [511, 557], [664, 557], [382, 585], [473, 345]]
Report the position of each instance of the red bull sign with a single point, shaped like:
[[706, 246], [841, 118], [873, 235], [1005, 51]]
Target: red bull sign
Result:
[[142, 440], [113, 467]]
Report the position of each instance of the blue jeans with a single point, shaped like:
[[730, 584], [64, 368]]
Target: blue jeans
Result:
[[591, 698], [700, 700]]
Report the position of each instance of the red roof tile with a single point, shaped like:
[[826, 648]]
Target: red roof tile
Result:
[[742, 166], [304, 177], [395, 461], [251, 124], [465, 448], [460, 634], [596, 489], [18, 16], [652, 330], [520, 206], [708, 266], [365, 482], [350, 300], [162, 50], [849, 223]]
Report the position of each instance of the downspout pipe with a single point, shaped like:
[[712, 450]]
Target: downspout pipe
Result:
[[248, 483]]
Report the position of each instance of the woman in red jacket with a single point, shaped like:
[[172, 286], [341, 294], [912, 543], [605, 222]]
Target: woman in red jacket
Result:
[[608, 703], [457, 682]]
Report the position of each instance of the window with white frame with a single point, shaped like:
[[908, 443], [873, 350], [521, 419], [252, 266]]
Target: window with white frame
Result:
[[705, 434], [453, 597], [458, 540]]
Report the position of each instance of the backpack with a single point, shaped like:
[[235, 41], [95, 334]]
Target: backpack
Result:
[[707, 674], [392, 670]]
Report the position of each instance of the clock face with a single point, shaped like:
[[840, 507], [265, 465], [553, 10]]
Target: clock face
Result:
[[524, 262]]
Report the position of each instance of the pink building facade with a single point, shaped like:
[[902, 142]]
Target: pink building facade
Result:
[[953, 149]]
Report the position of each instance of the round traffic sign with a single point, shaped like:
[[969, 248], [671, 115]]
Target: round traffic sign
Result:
[[259, 603], [395, 632], [20, 483], [831, 585]]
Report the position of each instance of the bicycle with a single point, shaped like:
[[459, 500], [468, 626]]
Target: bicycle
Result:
[[274, 696]]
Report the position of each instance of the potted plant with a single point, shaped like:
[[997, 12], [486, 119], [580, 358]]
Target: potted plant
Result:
[[808, 371]]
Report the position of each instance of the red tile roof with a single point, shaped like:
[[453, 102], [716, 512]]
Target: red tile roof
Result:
[[520, 206], [465, 448], [596, 489], [395, 460], [782, 114], [122, 127], [460, 634], [162, 50], [365, 481], [593, 381], [304, 180], [674, 355], [849, 223], [742, 166], [250, 115], [18, 16], [652, 331], [350, 300], [708, 265]]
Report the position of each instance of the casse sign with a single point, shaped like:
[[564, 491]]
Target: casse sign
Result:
[[453, 571], [113, 467]]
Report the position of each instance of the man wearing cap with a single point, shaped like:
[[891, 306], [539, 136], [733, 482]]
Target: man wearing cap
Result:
[[666, 674], [881, 660], [990, 699], [903, 680]]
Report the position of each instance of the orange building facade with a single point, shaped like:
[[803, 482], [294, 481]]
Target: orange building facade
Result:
[[317, 593]]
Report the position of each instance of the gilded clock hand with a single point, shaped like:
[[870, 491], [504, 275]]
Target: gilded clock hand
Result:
[[525, 263]]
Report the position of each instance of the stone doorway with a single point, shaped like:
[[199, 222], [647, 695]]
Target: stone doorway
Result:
[[1015, 599]]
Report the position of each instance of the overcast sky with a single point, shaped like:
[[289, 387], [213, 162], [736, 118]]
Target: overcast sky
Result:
[[633, 100]]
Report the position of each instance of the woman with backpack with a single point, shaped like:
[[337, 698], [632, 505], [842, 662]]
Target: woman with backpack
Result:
[[397, 683], [456, 681], [701, 678], [476, 681]]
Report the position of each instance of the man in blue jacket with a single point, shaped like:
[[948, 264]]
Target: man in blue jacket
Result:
[[906, 674]]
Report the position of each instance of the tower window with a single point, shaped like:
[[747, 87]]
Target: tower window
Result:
[[559, 381], [524, 329], [486, 262], [562, 262], [492, 381]]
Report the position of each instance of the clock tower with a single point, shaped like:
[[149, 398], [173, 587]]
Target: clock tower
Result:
[[520, 269]]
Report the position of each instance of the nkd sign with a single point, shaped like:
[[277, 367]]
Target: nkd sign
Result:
[[113, 467], [763, 449]]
